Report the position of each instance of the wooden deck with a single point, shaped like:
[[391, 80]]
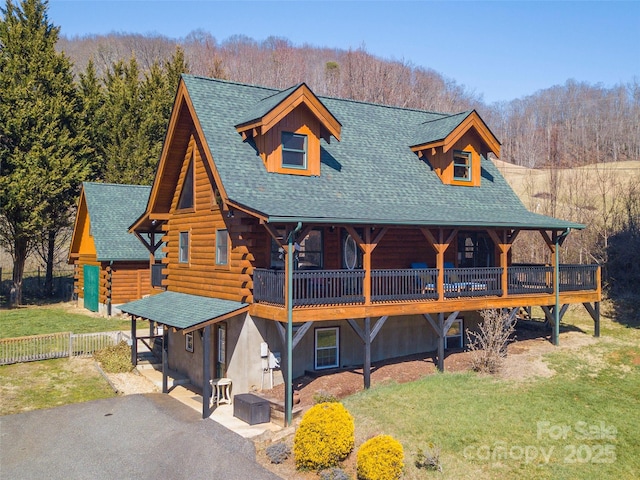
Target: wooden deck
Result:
[[341, 294]]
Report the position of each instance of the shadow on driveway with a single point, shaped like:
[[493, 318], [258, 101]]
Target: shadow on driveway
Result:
[[140, 437]]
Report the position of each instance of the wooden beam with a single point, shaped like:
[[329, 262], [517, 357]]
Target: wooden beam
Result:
[[594, 312], [165, 359], [326, 313], [206, 372], [379, 324], [433, 323], [282, 331]]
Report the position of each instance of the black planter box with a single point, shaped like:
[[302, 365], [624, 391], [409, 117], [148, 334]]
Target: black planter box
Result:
[[251, 408]]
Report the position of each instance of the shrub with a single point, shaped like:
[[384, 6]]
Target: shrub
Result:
[[322, 396], [115, 359], [489, 344], [428, 458], [334, 474], [278, 452], [380, 458], [325, 437]]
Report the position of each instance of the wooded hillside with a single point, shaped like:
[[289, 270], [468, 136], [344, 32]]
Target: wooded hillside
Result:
[[564, 125]]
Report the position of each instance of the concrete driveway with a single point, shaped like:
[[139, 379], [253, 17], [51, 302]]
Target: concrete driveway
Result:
[[148, 436]]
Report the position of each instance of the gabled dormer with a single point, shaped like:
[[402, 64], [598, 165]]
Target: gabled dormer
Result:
[[286, 129], [454, 145]]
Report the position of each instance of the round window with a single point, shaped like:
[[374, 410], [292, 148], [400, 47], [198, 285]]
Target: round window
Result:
[[350, 252]]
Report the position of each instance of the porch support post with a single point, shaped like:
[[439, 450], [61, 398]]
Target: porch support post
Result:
[[441, 328], [288, 398], [367, 245], [440, 246], [504, 245], [594, 312], [206, 372], [556, 289], [367, 352], [165, 359], [134, 342], [367, 336], [441, 342]]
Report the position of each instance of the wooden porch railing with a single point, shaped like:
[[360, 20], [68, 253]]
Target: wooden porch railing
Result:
[[326, 287]]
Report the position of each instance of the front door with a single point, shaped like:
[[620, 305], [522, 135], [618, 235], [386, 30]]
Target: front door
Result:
[[91, 287]]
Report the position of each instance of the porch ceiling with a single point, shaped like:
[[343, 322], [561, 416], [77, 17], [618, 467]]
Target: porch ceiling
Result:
[[181, 310]]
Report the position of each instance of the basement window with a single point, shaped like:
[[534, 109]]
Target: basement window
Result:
[[327, 348], [294, 150], [462, 165], [453, 338]]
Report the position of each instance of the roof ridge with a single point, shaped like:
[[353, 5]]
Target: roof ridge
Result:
[[116, 184], [328, 97], [394, 107], [232, 82], [466, 113]]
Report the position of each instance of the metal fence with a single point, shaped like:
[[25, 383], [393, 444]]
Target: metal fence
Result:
[[56, 345]]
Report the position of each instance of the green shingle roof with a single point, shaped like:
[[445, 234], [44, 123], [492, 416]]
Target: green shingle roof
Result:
[[112, 208], [371, 176], [180, 310], [267, 104], [438, 129]]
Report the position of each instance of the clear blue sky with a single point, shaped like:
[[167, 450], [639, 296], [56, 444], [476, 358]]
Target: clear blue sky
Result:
[[502, 50]]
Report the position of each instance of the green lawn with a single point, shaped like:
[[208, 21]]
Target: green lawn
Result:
[[581, 423], [35, 320], [50, 383]]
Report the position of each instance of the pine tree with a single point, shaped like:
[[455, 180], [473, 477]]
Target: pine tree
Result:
[[43, 150]]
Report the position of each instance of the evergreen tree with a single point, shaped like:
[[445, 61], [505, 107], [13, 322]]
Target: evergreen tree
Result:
[[134, 116], [43, 151]]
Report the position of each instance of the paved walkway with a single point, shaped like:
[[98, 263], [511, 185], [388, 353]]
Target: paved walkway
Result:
[[140, 437], [180, 389]]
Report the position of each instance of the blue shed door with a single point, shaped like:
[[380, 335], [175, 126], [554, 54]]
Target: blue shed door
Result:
[[91, 285]]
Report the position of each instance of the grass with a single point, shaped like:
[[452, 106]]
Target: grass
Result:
[[493, 428], [50, 383], [36, 320]]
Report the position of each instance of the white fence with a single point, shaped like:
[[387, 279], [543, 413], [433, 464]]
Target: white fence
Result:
[[56, 345]]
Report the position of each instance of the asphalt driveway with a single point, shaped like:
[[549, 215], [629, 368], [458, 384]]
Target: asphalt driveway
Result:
[[148, 436]]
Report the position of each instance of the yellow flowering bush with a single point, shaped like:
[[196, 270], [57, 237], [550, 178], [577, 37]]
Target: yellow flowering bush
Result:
[[380, 458], [325, 437]]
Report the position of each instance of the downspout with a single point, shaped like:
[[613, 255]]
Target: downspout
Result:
[[288, 400], [556, 311]]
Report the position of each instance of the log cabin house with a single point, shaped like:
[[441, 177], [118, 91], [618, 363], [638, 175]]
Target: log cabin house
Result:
[[331, 233], [111, 266]]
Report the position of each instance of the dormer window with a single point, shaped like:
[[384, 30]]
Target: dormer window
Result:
[[286, 129], [294, 150], [462, 165]]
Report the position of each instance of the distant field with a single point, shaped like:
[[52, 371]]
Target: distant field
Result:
[[583, 187]]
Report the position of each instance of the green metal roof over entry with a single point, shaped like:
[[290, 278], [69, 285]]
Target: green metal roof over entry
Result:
[[181, 310]]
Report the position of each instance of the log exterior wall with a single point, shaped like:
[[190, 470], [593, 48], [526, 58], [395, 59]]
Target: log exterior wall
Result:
[[200, 275]]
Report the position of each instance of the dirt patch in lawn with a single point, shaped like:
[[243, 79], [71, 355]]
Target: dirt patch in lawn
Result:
[[524, 361]]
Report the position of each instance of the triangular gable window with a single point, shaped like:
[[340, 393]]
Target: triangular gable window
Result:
[[186, 196]]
